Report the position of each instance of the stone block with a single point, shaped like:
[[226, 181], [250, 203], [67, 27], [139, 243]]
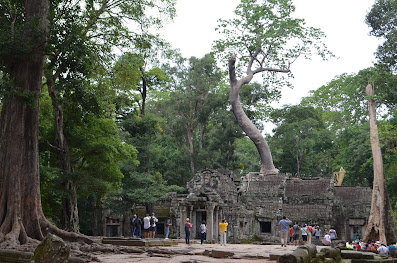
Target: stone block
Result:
[[52, 250], [221, 254], [350, 254], [273, 257], [8, 255], [330, 252]]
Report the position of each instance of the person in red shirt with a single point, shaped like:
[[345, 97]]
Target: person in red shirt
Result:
[[291, 235]]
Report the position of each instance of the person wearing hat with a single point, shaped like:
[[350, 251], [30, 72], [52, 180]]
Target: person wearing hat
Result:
[[188, 227]]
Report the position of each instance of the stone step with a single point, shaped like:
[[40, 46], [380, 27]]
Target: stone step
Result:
[[120, 241]]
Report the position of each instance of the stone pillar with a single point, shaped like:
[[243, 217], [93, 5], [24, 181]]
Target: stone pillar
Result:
[[216, 223], [210, 221], [192, 218], [182, 216]]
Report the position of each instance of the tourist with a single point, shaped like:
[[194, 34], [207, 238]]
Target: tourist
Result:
[[283, 227], [383, 250], [297, 233], [138, 226], [332, 233], [146, 226], [188, 228], [392, 249], [133, 225], [358, 246], [223, 229], [327, 240], [203, 231], [304, 234], [309, 231], [291, 235], [348, 245], [317, 233], [153, 220], [167, 226]]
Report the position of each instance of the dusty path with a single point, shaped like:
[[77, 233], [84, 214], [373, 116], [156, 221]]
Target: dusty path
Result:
[[182, 253]]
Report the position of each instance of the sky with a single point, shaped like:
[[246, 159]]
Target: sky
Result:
[[343, 22]]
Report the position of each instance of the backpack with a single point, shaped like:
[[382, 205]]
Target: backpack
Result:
[[151, 221], [392, 251], [187, 227]]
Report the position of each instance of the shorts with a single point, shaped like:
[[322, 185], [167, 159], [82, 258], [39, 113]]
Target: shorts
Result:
[[304, 237], [152, 229], [146, 230], [296, 236]]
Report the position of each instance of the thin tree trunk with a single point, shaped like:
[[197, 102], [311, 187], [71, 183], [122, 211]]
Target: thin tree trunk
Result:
[[379, 225], [267, 166], [70, 214], [189, 131]]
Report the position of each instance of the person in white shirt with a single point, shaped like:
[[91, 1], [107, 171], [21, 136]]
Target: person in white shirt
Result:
[[146, 226], [327, 239], [383, 250]]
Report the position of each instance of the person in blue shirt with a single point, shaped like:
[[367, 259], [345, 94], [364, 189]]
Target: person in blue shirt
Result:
[[283, 227]]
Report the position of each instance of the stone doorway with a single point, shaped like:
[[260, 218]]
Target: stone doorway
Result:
[[201, 215]]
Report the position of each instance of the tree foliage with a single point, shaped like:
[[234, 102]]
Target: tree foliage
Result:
[[382, 20]]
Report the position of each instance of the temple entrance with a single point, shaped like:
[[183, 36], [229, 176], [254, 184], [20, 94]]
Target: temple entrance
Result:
[[201, 215]]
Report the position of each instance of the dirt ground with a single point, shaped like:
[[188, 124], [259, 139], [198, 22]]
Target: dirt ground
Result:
[[182, 253]]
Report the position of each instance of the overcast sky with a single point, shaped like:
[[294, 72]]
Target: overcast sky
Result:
[[193, 32]]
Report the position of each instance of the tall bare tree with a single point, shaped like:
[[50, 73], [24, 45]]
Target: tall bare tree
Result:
[[267, 40], [380, 226]]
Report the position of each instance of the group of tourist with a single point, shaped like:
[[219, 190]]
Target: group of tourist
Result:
[[203, 231], [304, 232], [381, 248], [148, 223]]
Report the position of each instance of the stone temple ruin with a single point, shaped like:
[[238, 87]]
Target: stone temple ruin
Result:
[[254, 204]]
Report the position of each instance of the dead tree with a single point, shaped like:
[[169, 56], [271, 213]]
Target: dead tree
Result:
[[379, 225]]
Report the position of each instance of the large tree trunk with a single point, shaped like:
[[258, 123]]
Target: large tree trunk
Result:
[[380, 225], [21, 215], [267, 166]]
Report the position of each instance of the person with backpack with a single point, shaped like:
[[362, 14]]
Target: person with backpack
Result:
[[188, 228], [393, 250], [152, 230], [138, 227], [203, 231], [133, 225], [297, 233]]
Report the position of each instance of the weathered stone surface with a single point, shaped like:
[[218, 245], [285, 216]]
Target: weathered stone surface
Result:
[[330, 252], [311, 250], [52, 250], [300, 255], [349, 254], [273, 257], [76, 260], [221, 254], [8, 255]]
